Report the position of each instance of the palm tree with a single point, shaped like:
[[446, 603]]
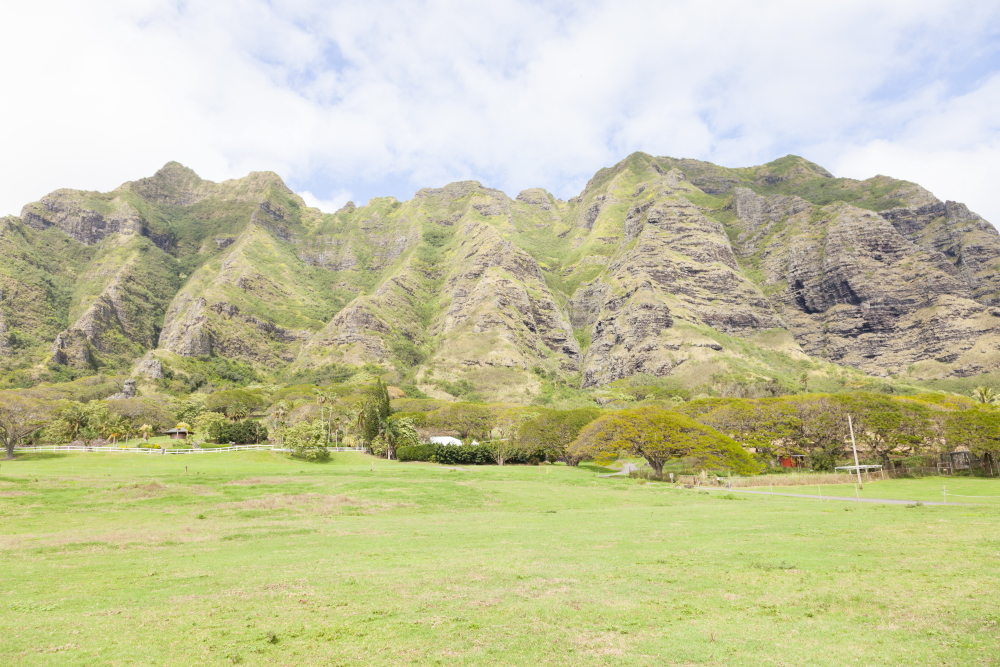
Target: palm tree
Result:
[[336, 432], [396, 433], [113, 427], [985, 395], [325, 415], [238, 412], [145, 430], [278, 416], [360, 417], [75, 417]]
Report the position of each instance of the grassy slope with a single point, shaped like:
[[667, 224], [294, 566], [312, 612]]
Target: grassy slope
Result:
[[107, 562], [37, 278], [143, 279]]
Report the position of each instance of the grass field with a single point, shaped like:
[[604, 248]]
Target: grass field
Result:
[[256, 559]]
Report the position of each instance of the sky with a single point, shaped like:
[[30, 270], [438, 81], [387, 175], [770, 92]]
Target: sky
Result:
[[350, 100]]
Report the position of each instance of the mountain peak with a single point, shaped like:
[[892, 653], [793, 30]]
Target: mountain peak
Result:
[[173, 183]]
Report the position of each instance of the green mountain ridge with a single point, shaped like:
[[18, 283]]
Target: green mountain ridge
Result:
[[672, 270]]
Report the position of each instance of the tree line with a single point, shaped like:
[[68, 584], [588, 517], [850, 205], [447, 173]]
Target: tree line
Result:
[[745, 434]]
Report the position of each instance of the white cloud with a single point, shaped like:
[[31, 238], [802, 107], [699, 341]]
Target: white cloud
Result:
[[953, 149], [331, 205], [340, 97]]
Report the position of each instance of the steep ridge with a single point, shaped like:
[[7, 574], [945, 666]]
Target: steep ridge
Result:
[[659, 267], [118, 304], [461, 298], [670, 265]]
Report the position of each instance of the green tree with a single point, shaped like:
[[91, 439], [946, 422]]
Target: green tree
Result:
[[393, 434], [888, 425], [20, 417], [246, 432], [658, 436], [97, 414], [206, 423], [236, 404], [279, 415], [507, 423], [307, 440], [979, 430], [112, 427], [70, 422], [758, 423], [372, 413], [553, 431], [326, 411], [138, 411], [188, 409], [820, 429], [470, 420]]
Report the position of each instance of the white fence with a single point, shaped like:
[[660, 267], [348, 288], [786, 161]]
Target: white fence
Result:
[[147, 450]]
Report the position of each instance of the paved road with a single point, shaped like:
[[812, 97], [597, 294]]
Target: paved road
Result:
[[883, 501]]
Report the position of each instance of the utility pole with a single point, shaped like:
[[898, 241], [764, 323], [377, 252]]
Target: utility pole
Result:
[[854, 445]]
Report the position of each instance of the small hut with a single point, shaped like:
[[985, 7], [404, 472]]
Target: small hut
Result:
[[792, 461], [177, 433]]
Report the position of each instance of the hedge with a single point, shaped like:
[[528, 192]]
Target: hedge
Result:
[[463, 454], [416, 452], [471, 455]]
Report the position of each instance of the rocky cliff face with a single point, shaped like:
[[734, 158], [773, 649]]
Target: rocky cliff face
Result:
[[660, 266], [855, 292]]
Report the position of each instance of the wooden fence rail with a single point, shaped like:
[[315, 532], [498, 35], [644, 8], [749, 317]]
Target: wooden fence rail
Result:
[[148, 450]]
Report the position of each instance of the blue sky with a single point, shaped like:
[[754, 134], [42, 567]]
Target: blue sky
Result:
[[350, 100]]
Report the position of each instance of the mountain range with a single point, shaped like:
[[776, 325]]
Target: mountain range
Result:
[[660, 268]]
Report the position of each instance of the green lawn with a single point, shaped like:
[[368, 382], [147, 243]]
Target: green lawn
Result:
[[252, 558]]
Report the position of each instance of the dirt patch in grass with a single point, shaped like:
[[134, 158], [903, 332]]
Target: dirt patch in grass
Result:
[[12, 494], [603, 644], [259, 481], [93, 542], [141, 490], [312, 502], [295, 590]]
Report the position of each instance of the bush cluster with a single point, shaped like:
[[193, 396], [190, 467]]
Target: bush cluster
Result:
[[416, 452], [482, 454]]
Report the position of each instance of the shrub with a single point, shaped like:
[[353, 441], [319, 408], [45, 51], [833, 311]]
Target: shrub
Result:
[[417, 452], [466, 454], [463, 455], [307, 440]]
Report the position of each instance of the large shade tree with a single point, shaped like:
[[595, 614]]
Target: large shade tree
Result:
[[507, 422], [979, 430], [20, 417], [553, 431], [470, 420], [766, 424], [658, 436], [886, 425]]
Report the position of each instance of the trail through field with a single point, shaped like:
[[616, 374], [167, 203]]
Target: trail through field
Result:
[[884, 501]]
